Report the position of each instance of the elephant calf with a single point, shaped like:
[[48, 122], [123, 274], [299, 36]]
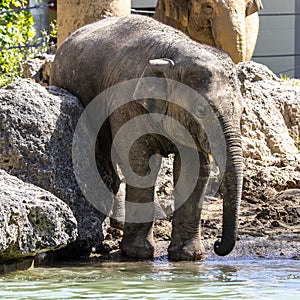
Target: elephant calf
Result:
[[175, 95]]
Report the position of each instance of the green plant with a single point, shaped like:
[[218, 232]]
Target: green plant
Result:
[[284, 77], [53, 29], [16, 33]]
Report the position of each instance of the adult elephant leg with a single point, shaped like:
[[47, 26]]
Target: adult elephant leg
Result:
[[186, 231]]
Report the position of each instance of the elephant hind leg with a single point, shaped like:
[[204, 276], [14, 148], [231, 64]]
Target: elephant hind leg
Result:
[[106, 168]]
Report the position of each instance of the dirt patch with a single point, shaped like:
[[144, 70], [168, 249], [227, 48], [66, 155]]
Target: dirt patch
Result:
[[266, 229]]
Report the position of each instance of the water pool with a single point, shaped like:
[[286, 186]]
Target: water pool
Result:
[[158, 279]]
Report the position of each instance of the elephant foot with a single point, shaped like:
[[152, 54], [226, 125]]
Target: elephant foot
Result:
[[138, 249], [188, 251], [138, 241]]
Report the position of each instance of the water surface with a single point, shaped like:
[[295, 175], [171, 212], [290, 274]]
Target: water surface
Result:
[[160, 279]]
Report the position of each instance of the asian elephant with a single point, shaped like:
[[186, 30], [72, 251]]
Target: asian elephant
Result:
[[231, 25], [118, 50]]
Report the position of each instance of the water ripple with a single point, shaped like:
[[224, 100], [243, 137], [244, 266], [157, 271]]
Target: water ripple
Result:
[[212, 279]]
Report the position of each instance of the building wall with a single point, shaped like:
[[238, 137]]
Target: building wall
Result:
[[40, 16], [143, 3], [297, 40], [276, 46]]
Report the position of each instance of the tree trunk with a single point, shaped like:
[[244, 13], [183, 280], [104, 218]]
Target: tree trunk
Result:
[[72, 15]]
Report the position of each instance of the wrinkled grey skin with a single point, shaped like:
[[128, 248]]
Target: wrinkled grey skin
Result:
[[116, 49]]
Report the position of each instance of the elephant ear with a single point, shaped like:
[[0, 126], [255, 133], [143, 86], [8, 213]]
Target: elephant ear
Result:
[[253, 6], [157, 68]]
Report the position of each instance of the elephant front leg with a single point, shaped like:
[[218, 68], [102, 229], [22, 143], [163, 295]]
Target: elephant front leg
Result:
[[186, 229], [137, 239]]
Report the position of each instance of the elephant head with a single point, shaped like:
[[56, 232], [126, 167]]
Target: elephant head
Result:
[[220, 91], [231, 25]]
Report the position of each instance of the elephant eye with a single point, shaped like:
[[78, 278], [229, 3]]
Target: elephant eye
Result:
[[200, 112], [207, 8]]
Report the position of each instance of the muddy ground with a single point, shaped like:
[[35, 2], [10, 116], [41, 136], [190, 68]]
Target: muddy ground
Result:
[[269, 219], [266, 229]]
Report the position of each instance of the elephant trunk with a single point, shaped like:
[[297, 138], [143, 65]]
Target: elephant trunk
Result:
[[232, 192], [229, 33]]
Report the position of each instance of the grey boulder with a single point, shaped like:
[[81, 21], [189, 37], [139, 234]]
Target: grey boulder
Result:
[[36, 134], [270, 133], [32, 220]]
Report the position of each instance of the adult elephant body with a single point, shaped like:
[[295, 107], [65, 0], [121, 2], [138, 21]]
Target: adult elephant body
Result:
[[231, 25], [100, 56]]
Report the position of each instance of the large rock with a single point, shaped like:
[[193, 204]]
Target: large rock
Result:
[[270, 122], [33, 220], [270, 133], [36, 132]]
